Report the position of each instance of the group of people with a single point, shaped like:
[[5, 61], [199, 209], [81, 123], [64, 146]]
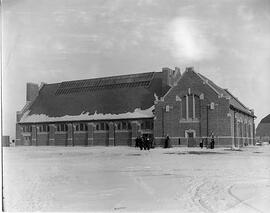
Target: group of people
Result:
[[143, 142], [210, 145]]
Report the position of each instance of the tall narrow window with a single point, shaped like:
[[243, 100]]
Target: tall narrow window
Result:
[[190, 107], [184, 111], [197, 106]]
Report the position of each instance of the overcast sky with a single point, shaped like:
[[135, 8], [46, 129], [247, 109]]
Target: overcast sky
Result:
[[228, 41]]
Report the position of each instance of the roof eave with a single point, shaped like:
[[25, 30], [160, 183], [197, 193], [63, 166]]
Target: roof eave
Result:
[[83, 120], [237, 109]]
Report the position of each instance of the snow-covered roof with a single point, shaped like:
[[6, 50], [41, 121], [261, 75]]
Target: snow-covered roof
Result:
[[119, 97], [86, 116]]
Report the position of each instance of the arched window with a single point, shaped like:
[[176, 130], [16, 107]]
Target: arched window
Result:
[[43, 128], [147, 125], [190, 107], [80, 127], [61, 127]]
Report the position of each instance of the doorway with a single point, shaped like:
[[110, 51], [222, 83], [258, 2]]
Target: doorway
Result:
[[190, 135]]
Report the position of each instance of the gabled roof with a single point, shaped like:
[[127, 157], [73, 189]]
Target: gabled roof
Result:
[[263, 129], [234, 102], [266, 119], [118, 97]]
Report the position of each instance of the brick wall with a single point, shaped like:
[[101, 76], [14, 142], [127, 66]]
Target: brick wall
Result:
[[101, 138], [80, 139], [217, 119], [123, 138], [42, 139], [60, 139]]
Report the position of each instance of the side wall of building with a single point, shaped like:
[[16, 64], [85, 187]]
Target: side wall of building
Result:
[[242, 127], [111, 134]]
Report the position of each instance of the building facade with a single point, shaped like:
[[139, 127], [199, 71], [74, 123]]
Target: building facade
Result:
[[115, 110]]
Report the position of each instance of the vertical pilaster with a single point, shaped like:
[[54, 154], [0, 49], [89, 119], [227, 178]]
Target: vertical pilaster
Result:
[[135, 131], [52, 129], [238, 132], [193, 109], [112, 134], [90, 134], [34, 136], [252, 133], [19, 137], [187, 116], [70, 135]]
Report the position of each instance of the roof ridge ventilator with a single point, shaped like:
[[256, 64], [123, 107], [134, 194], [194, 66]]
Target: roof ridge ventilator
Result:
[[91, 85]]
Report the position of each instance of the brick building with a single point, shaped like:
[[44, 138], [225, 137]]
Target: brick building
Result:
[[113, 111]]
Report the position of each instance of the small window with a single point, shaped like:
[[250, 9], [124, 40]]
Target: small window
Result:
[[142, 125], [27, 128], [43, 128], [129, 125], [107, 126], [62, 127], [119, 126], [124, 125], [147, 124], [97, 127], [82, 127], [102, 126]]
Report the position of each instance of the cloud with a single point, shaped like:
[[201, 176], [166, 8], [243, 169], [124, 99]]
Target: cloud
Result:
[[188, 40], [245, 13]]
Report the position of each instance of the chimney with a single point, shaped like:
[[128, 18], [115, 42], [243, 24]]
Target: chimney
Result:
[[18, 116], [41, 85], [177, 74], [170, 77], [31, 91], [166, 76]]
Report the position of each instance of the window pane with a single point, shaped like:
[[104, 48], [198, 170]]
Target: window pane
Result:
[[102, 126], [143, 125], [184, 107], [197, 107], [147, 124], [81, 127], [124, 125], [190, 106]]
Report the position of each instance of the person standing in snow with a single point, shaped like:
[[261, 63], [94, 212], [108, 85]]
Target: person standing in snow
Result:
[[140, 143], [212, 141], [206, 142], [137, 140], [201, 143], [148, 143], [145, 143], [167, 142]]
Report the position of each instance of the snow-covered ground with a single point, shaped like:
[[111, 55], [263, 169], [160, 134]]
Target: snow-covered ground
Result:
[[127, 179]]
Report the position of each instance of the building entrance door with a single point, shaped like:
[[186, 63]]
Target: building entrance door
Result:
[[191, 139]]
